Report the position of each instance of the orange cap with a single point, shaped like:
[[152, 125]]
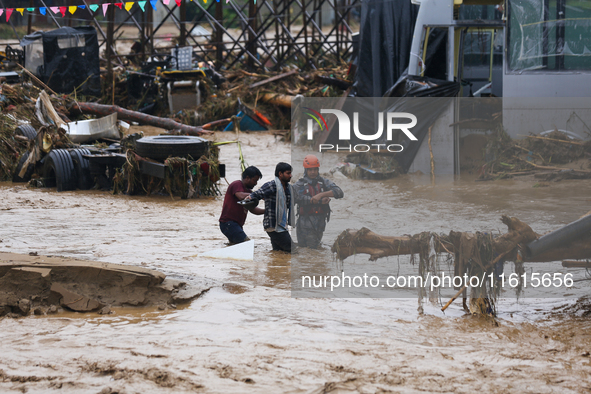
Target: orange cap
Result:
[[311, 161]]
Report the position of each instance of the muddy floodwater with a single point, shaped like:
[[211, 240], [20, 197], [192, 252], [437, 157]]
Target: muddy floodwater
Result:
[[248, 335]]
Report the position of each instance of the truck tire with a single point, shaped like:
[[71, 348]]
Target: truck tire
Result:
[[26, 130], [30, 169], [164, 146], [58, 170], [84, 180]]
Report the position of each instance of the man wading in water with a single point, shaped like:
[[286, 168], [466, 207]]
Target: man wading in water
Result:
[[313, 194], [234, 215], [278, 207]]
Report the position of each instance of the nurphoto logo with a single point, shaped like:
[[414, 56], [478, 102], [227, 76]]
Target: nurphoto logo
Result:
[[392, 120]]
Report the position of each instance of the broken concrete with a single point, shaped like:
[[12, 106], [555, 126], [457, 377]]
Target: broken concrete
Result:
[[40, 283]]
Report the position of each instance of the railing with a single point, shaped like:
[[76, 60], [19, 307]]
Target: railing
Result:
[[265, 35]]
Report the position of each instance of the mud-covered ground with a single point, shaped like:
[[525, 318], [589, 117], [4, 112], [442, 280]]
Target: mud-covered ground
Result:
[[247, 334]]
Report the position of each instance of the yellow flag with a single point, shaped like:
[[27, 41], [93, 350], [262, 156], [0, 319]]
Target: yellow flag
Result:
[[128, 5], [73, 9], [20, 10]]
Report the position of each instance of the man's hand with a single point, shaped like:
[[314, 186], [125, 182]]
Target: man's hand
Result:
[[316, 199], [325, 200]]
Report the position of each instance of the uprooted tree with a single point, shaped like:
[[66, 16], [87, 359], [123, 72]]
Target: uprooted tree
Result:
[[472, 253]]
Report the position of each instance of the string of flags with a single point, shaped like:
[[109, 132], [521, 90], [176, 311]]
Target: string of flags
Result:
[[128, 5]]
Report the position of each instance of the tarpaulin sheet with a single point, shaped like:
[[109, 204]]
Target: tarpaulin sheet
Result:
[[385, 40], [70, 59]]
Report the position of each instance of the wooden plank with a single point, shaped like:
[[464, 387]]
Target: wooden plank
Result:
[[272, 79]]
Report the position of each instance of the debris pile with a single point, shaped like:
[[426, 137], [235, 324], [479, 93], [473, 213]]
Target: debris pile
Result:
[[194, 101], [270, 94], [552, 156], [371, 165], [35, 147]]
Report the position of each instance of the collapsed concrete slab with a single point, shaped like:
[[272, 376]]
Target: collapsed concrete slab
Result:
[[39, 283]]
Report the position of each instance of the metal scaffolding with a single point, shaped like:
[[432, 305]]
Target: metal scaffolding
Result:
[[265, 35]]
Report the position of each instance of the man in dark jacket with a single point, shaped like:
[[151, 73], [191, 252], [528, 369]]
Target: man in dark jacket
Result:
[[278, 198], [313, 194]]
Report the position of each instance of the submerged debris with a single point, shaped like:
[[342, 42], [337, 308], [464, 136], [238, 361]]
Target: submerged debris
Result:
[[536, 154]]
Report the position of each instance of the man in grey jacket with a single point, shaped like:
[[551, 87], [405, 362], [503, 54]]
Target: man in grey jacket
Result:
[[313, 195]]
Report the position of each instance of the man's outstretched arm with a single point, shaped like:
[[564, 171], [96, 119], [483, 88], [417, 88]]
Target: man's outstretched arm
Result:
[[257, 211]]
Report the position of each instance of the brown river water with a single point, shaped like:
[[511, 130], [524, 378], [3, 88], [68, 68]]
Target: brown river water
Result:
[[249, 335]]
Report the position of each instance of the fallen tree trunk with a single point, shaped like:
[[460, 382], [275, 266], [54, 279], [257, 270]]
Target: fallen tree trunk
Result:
[[364, 241], [134, 116], [472, 253], [277, 99]]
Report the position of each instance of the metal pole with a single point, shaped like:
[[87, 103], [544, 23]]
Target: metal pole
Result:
[[252, 21], [335, 4], [183, 37], [560, 33], [109, 49], [51, 14], [68, 15], [278, 32], [305, 27], [30, 21], [151, 28], [219, 35]]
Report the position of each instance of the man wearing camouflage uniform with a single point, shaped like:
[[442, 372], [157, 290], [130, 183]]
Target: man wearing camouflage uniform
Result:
[[313, 195]]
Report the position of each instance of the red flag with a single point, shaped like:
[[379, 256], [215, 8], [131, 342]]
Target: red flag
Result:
[[8, 13], [63, 11], [178, 2], [118, 5]]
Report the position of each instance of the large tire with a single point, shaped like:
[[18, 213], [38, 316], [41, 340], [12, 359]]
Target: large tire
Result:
[[164, 146], [26, 130], [84, 179], [28, 173], [58, 170]]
